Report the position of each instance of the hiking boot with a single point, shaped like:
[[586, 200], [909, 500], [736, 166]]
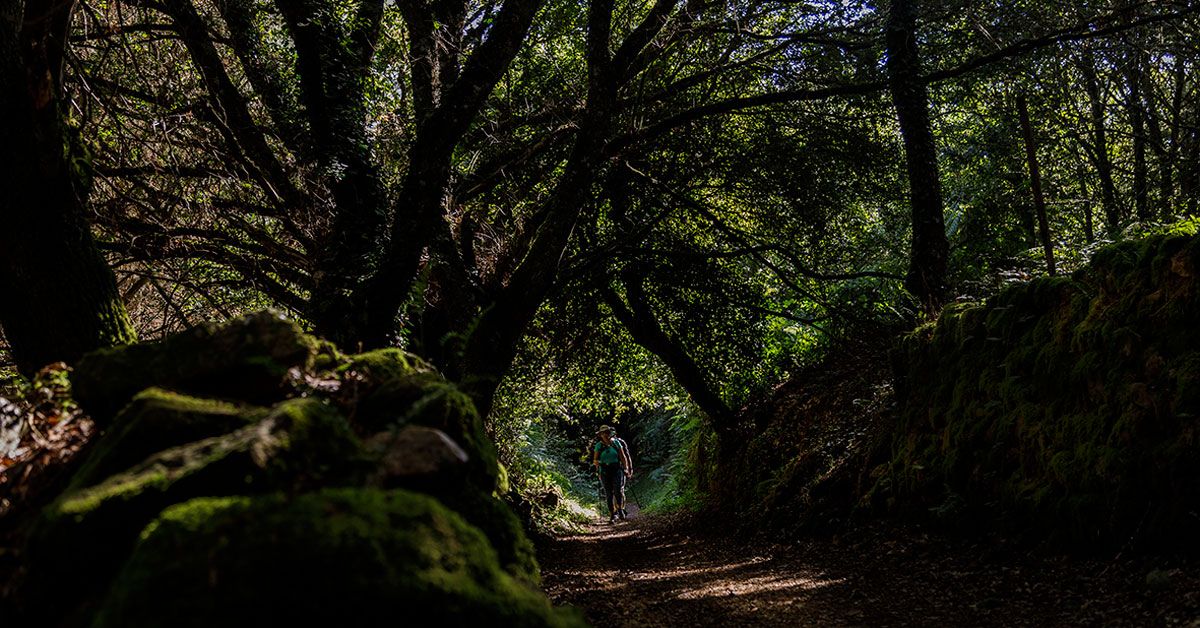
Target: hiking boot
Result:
[[612, 518], [623, 513]]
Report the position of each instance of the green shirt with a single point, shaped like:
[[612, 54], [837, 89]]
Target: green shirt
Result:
[[608, 453]]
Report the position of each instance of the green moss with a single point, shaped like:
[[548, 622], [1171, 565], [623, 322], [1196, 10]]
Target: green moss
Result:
[[393, 389], [246, 359], [156, 420], [501, 527], [327, 357], [1075, 414], [337, 557], [384, 364], [81, 537]]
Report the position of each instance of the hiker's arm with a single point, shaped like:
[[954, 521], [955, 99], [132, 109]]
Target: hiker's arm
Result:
[[625, 461]]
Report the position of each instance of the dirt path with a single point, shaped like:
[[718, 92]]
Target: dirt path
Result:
[[672, 572]]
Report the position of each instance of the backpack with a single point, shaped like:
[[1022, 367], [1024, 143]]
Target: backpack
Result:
[[620, 442]]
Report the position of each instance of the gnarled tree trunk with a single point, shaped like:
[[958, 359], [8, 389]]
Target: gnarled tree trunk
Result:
[[58, 298]]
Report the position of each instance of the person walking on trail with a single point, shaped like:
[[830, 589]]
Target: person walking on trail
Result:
[[611, 463]]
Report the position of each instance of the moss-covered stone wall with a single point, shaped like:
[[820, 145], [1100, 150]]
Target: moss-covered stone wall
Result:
[[1069, 405], [248, 474]]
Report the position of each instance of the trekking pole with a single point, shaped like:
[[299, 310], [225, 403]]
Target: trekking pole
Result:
[[637, 498], [600, 488]]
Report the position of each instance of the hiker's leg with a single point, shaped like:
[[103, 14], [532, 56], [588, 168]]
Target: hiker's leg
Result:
[[609, 494]]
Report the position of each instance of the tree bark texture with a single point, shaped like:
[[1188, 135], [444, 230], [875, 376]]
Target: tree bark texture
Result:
[[58, 298], [926, 277]]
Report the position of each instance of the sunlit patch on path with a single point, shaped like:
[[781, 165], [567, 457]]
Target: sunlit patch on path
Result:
[[645, 571], [665, 572]]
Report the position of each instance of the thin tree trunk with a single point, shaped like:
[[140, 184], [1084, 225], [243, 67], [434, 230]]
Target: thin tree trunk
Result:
[[1136, 110], [1108, 190], [926, 277], [58, 298], [1160, 140], [1035, 184], [1176, 130], [1189, 167], [1089, 229]]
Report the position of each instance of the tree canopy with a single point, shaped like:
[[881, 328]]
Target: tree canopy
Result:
[[701, 189]]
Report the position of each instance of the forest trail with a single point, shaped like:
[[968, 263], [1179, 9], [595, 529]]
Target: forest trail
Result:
[[668, 571]]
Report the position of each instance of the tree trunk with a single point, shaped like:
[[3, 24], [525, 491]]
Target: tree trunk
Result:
[[1189, 166], [1108, 190], [1161, 135], [1089, 230], [58, 298], [927, 266], [643, 326], [1176, 130], [493, 343], [1035, 184], [1136, 110], [418, 207], [333, 60]]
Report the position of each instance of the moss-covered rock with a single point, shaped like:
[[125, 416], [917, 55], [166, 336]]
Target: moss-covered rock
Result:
[[1066, 403], [189, 444], [82, 536], [155, 420], [381, 365], [327, 356], [244, 359], [502, 528], [357, 557], [389, 389]]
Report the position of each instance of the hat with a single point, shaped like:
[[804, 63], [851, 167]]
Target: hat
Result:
[[603, 429]]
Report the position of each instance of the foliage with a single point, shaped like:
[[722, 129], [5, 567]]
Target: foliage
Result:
[[557, 214], [669, 463]]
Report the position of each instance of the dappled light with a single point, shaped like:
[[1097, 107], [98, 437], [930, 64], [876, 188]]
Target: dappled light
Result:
[[557, 313]]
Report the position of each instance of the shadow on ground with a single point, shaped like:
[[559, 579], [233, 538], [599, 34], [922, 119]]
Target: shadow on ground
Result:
[[663, 571]]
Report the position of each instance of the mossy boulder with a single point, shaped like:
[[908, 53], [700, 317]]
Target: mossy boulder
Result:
[[245, 359], [502, 528], [358, 557], [389, 389], [381, 365], [286, 483], [327, 356], [302, 443], [1066, 404], [156, 420]]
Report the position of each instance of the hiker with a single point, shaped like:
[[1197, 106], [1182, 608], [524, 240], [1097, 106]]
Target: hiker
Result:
[[611, 463]]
